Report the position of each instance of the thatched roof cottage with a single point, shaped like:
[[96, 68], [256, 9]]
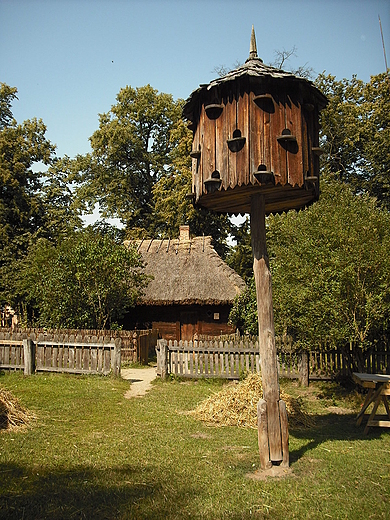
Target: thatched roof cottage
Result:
[[192, 289]]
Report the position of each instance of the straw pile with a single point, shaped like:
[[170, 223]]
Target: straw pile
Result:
[[236, 405], [12, 414]]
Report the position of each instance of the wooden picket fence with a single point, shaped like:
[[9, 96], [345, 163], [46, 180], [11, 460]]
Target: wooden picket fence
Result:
[[136, 345], [231, 359], [11, 354], [60, 353], [210, 359], [220, 359]]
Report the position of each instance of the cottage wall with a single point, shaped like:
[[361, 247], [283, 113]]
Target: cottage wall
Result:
[[176, 322]]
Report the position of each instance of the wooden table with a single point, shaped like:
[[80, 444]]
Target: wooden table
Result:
[[378, 389]]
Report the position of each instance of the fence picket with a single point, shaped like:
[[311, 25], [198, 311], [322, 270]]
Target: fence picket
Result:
[[107, 361], [86, 356]]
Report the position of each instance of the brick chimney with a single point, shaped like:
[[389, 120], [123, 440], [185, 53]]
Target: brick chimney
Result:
[[184, 233]]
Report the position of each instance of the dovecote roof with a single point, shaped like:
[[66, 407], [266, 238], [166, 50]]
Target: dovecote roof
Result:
[[253, 73]]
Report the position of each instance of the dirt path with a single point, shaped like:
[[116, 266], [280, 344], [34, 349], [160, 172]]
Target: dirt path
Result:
[[140, 379]]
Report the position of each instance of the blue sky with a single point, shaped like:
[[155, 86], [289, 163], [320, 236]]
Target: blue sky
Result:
[[69, 58]]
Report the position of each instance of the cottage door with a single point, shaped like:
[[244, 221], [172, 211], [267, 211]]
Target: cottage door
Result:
[[188, 325]]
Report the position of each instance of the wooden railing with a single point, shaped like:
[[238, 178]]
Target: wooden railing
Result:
[[79, 358]]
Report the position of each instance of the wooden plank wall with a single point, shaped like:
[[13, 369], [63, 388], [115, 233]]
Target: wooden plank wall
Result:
[[146, 344], [260, 127], [141, 347]]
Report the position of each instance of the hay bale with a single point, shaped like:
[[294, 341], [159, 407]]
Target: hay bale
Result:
[[12, 413], [236, 405]]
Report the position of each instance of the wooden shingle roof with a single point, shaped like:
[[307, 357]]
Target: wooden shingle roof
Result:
[[254, 73], [187, 271]]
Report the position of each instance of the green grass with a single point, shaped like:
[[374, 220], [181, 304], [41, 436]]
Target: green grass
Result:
[[93, 454]]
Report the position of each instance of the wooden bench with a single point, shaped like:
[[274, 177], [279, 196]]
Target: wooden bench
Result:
[[378, 389]]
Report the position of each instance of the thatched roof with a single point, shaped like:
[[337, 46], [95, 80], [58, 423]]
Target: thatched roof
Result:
[[186, 272]]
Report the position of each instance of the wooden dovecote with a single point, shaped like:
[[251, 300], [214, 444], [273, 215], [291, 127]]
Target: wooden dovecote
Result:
[[256, 150], [255, 130]]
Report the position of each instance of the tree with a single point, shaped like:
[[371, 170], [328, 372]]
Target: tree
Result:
[[32, 203], [331, 271], [355, 133], [130, 153], [243, 314], [283, 56], [62, 211], [7, 96], [86, 281]]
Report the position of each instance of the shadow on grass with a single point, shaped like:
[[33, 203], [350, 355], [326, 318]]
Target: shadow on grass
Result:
[[331, 427], [86, 493]]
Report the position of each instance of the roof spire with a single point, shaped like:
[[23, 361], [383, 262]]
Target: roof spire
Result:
[[253, 47]]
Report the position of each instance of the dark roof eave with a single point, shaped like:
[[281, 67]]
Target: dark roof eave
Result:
[[189, 301]]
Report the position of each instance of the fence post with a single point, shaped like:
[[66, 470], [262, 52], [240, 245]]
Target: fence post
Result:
[[29, 356], [135, 348], [304, 369], [116, 358], [162, 353]]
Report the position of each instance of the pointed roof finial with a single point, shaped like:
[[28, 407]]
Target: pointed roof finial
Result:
[[253, 47]]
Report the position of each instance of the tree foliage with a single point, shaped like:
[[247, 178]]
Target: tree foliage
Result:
[[86, 281], [329, 263], [21, 212], [7, 96], [330, 269], [355, 133]]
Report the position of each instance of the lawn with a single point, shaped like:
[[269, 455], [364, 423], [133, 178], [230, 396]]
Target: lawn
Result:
[[91, 453]]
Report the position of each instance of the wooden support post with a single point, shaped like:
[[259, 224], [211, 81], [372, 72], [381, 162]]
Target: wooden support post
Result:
[[284, 427], [262, 433], [29, 356], [267, 348]]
